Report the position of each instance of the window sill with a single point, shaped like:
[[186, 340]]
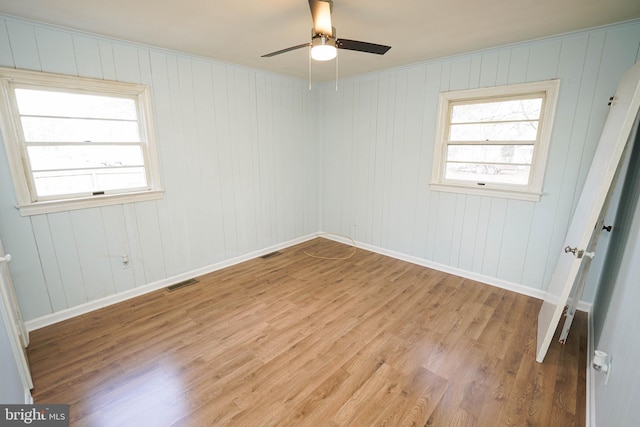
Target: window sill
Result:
[[490, 192], [39, 208]]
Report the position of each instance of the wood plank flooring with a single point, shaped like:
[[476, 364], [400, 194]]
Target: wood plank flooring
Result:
[[291, 340]]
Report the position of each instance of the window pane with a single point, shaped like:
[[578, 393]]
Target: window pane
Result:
[[490, 153], [39, 129], [60, 104], [515, 131], [484, 173], [88, 181], [520, 109], [82, 157], [127, 178]]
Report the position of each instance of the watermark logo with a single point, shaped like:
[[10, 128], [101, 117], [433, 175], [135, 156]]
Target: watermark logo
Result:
[[34, 415]]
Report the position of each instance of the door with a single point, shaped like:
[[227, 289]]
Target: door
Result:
[[616, 133], [12, 319]]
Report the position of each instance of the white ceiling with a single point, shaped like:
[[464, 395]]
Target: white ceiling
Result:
[[239, 31]]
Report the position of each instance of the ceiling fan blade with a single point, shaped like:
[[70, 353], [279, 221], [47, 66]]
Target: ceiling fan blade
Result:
[[362, 46], [289, 49], [321, 15]]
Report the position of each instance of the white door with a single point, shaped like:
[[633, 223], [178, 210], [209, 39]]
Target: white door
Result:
[[616, 133], [12, 318]]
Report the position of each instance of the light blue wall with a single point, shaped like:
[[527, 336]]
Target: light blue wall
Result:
[[251, 159], [616, 317], [238, 162], [377, 156]]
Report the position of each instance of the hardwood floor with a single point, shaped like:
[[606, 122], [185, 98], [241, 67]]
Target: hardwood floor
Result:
[[297, 341]]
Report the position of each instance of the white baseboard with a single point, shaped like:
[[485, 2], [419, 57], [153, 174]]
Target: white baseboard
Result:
[[59, 316], [69, 313], [585, 306], [503, 284]]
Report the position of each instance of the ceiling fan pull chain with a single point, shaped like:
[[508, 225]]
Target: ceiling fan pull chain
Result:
[[337, 71], [309, 67]]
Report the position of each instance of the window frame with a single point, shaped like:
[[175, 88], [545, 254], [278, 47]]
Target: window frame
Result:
[[16, 148], [533, 190]]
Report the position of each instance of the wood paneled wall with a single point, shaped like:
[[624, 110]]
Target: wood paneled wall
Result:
[[377, 156], [251, 159], [238, 162]]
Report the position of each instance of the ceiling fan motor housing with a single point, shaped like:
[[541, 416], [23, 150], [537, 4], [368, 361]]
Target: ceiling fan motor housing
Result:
[[325, 37]]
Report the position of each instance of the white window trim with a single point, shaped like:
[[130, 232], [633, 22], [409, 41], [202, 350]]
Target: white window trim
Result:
[[16, 153], [531, 192]]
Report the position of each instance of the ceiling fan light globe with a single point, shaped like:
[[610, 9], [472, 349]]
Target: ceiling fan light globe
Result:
[[323, 52], [323, 48]]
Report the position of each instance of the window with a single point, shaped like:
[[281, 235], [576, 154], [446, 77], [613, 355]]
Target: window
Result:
[[74, 143], [494, 141]]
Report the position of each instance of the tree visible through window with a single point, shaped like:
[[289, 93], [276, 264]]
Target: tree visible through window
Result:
[[77, 138], [80, 144], [494, 139]]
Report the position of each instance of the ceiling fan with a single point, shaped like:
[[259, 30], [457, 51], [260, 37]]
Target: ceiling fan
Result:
[[324, 42]]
